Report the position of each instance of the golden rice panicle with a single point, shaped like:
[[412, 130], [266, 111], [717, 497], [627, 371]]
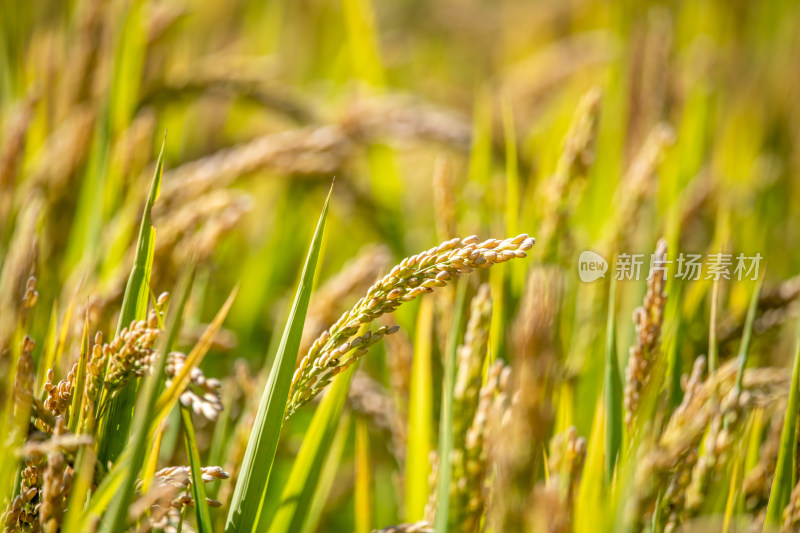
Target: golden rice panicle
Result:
[[93, 387], [154, 506], [717, 444], [554, 500], [674, 500], [13, 149], [648, 319], [576, 158], [202, 242], [132, 149], [471, 356], [313, 150], [414, 276], [59, 395], [535, 372], [398, 116], [180, 478], [132, 353], [22, 512], [333, 363], [466, 395], [567, 455], [202, 393], [55, 486], [775, 306], [354, 278], [671, 460], [637, 185], [18, 261], [62, 154], [23, 381], [474, 483], [653, 47]]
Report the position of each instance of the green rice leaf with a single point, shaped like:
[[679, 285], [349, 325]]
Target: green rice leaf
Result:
[[613, 389], [76, 407], [251, 487], [712, 329], [747, 335], [115, 519], [363, 479], [198, 488], [179, 383], [116, 423], [783, 482], [327, 475], [446, 420], [420, 415], [299, 491]]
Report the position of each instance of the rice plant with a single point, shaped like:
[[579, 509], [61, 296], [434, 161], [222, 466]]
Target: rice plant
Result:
[[399, 267]]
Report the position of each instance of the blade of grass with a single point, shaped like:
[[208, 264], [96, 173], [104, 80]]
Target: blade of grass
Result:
[[102, 496], [420, 414], [363, 482], [730, 504], [783, 482], [302, 483], [66, 326], [151, 462], [613, 389], [257, 465], [446, 417], [590, 511], [76, 407], [115, 519], [712, 329], [747, 335], [198, 488], [328, 475], [116, 423]]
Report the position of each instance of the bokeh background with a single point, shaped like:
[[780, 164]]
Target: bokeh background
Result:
[[437, 119]]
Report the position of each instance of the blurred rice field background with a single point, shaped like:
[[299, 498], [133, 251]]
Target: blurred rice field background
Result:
[[514, 398]]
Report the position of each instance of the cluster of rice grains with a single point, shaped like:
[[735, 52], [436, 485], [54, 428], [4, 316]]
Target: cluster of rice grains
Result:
[[648, 319], [54, 427], [340, 346]]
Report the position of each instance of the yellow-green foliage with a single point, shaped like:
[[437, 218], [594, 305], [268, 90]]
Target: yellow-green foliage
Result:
[[193, 338]]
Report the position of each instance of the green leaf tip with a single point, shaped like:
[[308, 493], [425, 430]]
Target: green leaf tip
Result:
[[251, 487]]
